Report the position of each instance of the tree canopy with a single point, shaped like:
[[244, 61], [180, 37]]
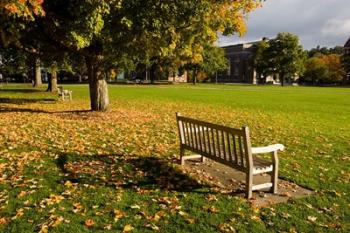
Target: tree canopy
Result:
[[325, 51], [324, 69], [14, 14], [214, 60], [283, 56], [114, 31]]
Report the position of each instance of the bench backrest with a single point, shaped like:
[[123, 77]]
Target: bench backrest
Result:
[[223, 144]]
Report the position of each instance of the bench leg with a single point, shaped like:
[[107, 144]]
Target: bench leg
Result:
[[203, 159], [182, 154], [274, 174], [249, 185]]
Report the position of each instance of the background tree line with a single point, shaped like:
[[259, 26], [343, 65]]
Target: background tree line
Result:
[[284, 57]]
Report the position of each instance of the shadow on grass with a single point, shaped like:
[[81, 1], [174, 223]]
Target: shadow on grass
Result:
[[26, 100], [63, 114], [20, 90], [74, 112], [147, 173], [22, 110]]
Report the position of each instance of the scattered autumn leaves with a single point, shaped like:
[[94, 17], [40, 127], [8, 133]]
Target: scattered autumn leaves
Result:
[[115, 170]]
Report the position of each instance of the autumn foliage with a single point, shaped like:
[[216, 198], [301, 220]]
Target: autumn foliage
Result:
[[324, 69], [24, 8]]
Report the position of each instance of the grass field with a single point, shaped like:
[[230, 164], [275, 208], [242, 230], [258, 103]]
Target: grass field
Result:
[[65, 169]]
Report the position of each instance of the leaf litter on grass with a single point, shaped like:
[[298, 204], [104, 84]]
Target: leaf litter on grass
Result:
[[85, 152]]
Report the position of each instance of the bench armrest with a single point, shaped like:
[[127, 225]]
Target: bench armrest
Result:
[[267, 149]]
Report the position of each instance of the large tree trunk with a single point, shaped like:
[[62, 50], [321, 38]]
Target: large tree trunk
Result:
[[194, 78], [37, 77], [152, 73], [282, 80], [98, 85], [52, 87], [187, 75]]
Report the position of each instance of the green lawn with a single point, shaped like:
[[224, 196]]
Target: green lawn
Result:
[[65, 169]]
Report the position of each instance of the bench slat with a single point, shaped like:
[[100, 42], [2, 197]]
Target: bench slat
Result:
[[241, 160], [229, 146], [194, 133], [209, 142], [204, 139], [235, 149], [193, 141], [223, 146], [213, 142], [200, 138]]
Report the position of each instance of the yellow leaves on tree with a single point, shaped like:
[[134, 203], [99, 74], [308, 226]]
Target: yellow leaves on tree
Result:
[[231, 15], [324, 69], [334, 64], [225, 17], [25, 8]]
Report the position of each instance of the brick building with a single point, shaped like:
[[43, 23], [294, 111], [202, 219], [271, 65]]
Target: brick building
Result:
[[240, 68]]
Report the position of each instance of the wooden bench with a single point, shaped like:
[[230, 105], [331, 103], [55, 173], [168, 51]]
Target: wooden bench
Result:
[[64, 93], [228, 146]]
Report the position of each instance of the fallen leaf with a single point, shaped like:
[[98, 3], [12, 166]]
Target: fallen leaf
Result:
[[3, 221], [44, 229], [118, 214], [135, 207], [57, 222], [68, 183], [89, 222], [311, 218], [128, 228], [224, 227]]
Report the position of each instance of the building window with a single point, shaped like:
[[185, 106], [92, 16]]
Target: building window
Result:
[[236, 70]]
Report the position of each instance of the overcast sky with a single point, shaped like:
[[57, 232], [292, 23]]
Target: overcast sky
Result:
[[316, 22]]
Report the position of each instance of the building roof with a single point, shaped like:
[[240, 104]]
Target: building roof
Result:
[[240, 44], [347, 44]]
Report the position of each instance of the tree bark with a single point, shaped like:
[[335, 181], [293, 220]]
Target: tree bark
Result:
[[152, 73], [52, 87], [37, 75], [282, 79], [194, 78], [98, 85], [187, 75], [49, 88]]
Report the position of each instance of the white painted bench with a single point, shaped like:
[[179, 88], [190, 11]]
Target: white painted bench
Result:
[[228, 146], [64, 93]]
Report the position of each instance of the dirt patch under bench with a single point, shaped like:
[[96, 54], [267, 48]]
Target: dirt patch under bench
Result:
[[229, 180]]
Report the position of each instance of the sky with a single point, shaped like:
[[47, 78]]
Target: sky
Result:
[[316, 22]]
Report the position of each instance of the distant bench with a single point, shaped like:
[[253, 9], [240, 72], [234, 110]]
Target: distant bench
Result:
[[64, 93], [228, 146]]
